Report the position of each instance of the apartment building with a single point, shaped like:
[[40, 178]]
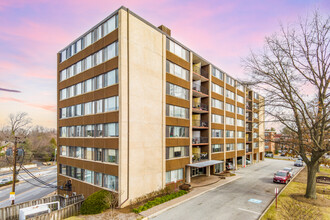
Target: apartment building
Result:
[[270, 141], [138, 111]]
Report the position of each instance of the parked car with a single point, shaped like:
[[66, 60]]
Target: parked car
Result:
[[290, 170], [248, 162], [281, 176], [4, 181], [298, 163], [279, 151], [269, 155], [229, 166], [283, 154]]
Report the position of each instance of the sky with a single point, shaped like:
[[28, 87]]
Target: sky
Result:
[[32, 32]]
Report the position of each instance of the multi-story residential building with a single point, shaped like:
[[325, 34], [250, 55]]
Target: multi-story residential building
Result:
[[138, 110], [270, 141]]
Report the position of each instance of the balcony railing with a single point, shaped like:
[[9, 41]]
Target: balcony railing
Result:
[[200, 88], [199, 123], [201, 72], [249, 139], [200, 140], [200, 157], [249, 118], [200, 106], [248, 149]]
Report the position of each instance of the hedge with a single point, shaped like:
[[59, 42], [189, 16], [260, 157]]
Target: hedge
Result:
[[159, 200], [8, 183], [97, 202]]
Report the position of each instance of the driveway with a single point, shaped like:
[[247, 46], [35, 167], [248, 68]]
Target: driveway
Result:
[[245, 198]]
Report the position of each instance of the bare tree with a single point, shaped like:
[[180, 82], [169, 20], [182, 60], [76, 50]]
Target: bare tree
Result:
[[292, 72]]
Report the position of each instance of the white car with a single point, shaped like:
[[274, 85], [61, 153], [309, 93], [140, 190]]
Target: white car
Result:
[[4, 181], [290, 170]]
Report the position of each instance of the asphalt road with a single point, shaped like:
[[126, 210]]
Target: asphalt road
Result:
[[25, 191], [245, 198]]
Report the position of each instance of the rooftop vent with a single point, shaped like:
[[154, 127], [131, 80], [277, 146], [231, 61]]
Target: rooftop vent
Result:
[[165, 29]]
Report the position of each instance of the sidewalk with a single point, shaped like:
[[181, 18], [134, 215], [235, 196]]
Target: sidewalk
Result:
[[196, 191]]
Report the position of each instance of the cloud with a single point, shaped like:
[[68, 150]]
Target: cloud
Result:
[[9, 90], [45, 107]]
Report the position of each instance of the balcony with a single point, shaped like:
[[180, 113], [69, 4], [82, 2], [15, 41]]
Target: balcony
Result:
[[199, 91], [200, 157], [200, 75], [200, 124], [248, 149], [200, 140], [249, 139], [199, 107], [249, 118]]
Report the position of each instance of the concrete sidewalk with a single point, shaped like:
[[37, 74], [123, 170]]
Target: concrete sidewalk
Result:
[[196, 191]]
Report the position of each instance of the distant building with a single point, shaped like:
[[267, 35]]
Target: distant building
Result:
[[270, 141]]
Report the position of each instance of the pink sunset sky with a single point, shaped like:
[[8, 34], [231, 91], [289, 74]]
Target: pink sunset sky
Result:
[[33, 31]]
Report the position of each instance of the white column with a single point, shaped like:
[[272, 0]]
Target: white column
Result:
[[243, 161], [208, 171], [188, 174]]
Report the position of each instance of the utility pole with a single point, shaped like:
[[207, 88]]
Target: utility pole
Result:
[[14, 169]]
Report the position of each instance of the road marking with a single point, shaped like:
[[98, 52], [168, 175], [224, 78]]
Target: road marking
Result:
[[257, 201], [258, 213], [26, 191]]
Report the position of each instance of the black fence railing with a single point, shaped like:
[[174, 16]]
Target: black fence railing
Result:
[[200, 88], [199, 123], [200, 140], [200, 106]]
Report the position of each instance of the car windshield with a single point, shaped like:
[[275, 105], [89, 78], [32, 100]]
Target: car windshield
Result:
[[280, 174]]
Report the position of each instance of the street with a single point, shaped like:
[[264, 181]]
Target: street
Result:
[[245, 198], [26, 191]]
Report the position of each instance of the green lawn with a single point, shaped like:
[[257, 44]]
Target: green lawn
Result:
[[293, 205]]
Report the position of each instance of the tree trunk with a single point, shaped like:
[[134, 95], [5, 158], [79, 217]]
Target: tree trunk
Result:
[[311, 180]]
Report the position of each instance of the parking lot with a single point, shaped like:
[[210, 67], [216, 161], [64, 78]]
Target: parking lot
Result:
[[245, 198]]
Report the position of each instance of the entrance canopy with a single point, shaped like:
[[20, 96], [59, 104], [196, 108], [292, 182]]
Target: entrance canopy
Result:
[[205, 163]]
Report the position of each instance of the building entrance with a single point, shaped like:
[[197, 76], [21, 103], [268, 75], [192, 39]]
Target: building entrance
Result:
[[198, 171]]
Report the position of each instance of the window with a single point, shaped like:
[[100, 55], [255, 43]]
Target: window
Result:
[[217, 148], [230, 147], [78, 174], [217, 119], [63, 169], [79, 89], [79, 67], [176, 152], [177, 112], [176, 131], [88, 39], [177, 50], [111, 78], [110, 155], [255, 105], [255, 135], [217, 73], [177, 70], [217, 103], [99, 82], [111, 51], [62, 94], [230, 81], [255, 115], [255, 95], [78, 110], [89, 176], [174, 175], [63, 55], [89, 153], [79, 131], [255, 125], [111, 130], [217, 89], [240, 134], [240, 146], [240, 110], [240, 99], [63, 132], [98, 179], [78, 152], [230, 121], [88, 62], [63, 150], [99, 57], [110, 25], [89, 85], [89, 131], [230, 134], [78, 45], [240, 123], [99, 130], [63, 75], [230, 108], [216, 133], [177, 91], [111, 104], [98, 154], [89, 108], [255, 144], [240, 86], [230, 94], [110, 182], [99, 106], [218, 168]]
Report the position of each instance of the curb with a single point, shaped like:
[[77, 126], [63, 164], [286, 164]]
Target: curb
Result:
[[174, 205], [271, 203]]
